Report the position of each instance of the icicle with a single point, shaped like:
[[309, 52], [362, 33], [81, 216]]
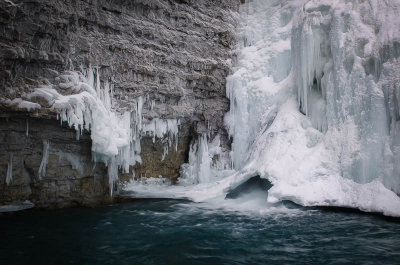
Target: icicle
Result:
[[45, 159], [107, 97], [198, 170], [115, 137], [27, 128], [9, 170], [204, 160], [98, 83], [139, 109], [308, 64], [90, 76], [112, 174], [112, 92], [165, 153]]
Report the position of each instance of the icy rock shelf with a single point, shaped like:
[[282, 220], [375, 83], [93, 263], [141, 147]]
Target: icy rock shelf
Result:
[[314, 108], [85, 103]]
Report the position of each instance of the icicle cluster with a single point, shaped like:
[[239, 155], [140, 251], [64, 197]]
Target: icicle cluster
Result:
[[86, 103], [311, 54], [161, 128]]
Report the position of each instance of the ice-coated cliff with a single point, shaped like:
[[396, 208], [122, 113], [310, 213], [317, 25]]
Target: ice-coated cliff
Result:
[[139, 79], [327, 131], [314, 105], [313, 94]]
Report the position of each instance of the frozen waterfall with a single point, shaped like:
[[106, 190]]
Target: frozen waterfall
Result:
[[341, 74], [314, 107]]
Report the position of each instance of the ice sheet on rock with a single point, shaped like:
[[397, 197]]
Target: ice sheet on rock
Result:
[[21, 104], [16, 207], [73, 159]]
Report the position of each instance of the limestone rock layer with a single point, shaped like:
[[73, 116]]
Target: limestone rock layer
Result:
[[177, 54]]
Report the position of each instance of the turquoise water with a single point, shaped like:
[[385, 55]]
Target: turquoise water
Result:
[[182, 232]]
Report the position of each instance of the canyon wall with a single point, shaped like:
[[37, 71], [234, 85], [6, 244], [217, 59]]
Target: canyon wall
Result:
[[174, 54]]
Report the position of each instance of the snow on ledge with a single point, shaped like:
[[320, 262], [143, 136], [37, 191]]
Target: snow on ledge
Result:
[[84, 103]]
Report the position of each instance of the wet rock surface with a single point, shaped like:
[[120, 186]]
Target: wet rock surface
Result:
[[70, 179]]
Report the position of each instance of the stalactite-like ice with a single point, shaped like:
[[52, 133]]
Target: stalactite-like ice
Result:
[[27, 128], [9, 175], [45, 159], [161, 128], [350, 51], [198, 170], [85, 103]]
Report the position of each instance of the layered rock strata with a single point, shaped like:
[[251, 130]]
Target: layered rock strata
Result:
[[176, 54]]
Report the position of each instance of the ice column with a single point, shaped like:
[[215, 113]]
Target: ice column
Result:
[[198, 169], [311, 53]]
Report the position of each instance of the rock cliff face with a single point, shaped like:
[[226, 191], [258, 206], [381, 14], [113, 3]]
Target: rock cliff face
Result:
[[70, 176], [176, 54]]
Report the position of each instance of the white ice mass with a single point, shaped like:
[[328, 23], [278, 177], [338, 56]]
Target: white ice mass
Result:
[[85, 103]]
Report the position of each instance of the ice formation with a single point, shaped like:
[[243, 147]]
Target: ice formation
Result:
[[9, 170], [86, 103], [21, 104], [314, 107], [45, 159], [74, 160], [198, 170], [16, 207], [27, 128], [163, 127], [343, 152]]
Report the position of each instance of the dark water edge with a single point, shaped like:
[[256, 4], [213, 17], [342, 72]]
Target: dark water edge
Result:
[[182, 232]]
